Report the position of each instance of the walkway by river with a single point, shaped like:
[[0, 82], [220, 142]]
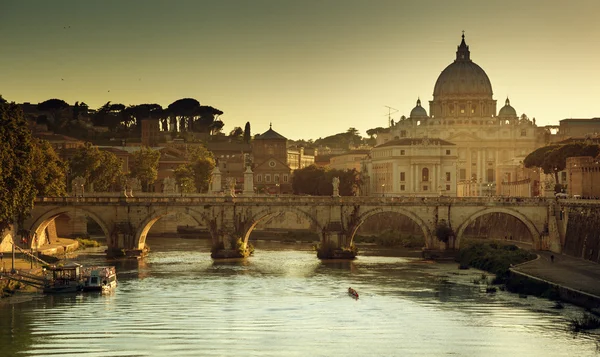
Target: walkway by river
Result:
[[570, 272]]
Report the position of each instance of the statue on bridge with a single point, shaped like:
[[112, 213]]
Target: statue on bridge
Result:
[[169, 185], [78, 185], [336, 186]]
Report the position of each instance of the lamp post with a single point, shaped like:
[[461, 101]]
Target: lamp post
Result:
[[383, 190]]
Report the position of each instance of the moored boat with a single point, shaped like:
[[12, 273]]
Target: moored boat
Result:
[[64, 279], [99, 278]]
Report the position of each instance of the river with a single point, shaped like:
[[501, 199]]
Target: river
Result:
[[283, 301]]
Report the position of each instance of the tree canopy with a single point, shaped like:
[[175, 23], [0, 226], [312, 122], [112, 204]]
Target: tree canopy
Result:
[[17, 189], [144, 166], [100, 169], [553, 158], [48, 170], [317, 181]]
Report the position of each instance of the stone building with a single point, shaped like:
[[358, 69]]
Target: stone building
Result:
[[411, 166], [488, 145], [272, 173], [583, 176]]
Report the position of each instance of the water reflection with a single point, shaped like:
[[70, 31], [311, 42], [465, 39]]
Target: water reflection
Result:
[[285, 302]]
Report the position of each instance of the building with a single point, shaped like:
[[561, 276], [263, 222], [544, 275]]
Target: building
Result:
[[583, 176], [348, 160], [488, 145], [412, 166], [272, 173], [578, 128]]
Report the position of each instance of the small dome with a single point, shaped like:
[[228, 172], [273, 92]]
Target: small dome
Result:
[[507, 110], [418, 111]]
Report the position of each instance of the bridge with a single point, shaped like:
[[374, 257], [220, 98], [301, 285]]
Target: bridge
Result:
[[126, 221]]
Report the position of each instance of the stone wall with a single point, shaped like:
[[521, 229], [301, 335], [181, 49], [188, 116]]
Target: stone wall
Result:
[[583, 234]]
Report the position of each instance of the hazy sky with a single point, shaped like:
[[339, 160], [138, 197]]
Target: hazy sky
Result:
[[312, 68]]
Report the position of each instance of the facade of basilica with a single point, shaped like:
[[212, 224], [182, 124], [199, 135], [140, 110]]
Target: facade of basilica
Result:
[[462, 147]]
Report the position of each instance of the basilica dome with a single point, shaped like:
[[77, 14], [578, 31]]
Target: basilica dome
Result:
[[507, 110], [463, 78], [418, 111]]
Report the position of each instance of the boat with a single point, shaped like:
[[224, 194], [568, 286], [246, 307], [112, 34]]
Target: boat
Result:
[[353, 293], [63, 279], [99, 278]]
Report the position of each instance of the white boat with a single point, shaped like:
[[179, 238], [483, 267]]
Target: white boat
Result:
[[99, 278]]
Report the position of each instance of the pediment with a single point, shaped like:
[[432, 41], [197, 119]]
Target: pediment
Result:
[[279, 165]]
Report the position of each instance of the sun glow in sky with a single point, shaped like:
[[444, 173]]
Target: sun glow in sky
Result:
[[312, 68]]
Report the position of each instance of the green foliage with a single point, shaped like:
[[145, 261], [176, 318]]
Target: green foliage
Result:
[[247, 134], [202, 164], [102, 169], [236, 133], [553, 158], [443, 232], [494, 258], [48, 170], [87, 242], [17, 190], [144, 166], [586, 322], [317, 181], [184, 176], [342, 140]]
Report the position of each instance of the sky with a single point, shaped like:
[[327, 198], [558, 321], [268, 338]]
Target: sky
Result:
[[312, 68]]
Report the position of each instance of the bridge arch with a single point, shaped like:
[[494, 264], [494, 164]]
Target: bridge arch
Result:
[[40, 224], [154, 216], [270, 212], [399, 210], [535, 235]]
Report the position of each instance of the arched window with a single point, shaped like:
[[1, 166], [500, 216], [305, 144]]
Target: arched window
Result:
[[425, 174]]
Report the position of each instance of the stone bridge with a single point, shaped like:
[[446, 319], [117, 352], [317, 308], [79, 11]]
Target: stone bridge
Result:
[[230, 220]]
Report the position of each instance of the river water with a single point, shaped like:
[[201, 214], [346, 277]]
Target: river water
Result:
[[284, 302]]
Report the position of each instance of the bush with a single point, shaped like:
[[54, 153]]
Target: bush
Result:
[[87, 242], [494, 258]]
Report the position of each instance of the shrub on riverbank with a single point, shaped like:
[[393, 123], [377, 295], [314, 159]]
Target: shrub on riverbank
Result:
[[585, 322], [494, 258], [85, 243], [391, 238]]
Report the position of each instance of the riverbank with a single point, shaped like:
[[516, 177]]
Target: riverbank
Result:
[[543, 274], [10, 291]]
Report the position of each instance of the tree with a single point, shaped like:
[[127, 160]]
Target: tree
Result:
[[48, 170], [443, 232], [202, 164], [108, 174], [236, 133], [184, 176], [57, 109], [553, 158], [183, 113], [17, 190], [247, 134], [144, 166], [101, 169], [317, 181]]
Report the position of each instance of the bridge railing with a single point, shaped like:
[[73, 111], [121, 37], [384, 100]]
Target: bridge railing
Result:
[[294, 199]]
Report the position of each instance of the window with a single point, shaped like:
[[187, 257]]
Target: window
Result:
[[462, 109], [402, 176], [272, 163], [448, 152], [285, 178], [524, 132], [402, 187], [402, 152], [258, 178], [563, 176], [425, 188], [463, 174], [447, 187], [425, 174], [490, 175], [448, 176], [403, 133], [276, 177], [267, 178]]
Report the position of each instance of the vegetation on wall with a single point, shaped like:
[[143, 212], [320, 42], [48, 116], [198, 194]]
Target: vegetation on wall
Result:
[[317, 181]]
